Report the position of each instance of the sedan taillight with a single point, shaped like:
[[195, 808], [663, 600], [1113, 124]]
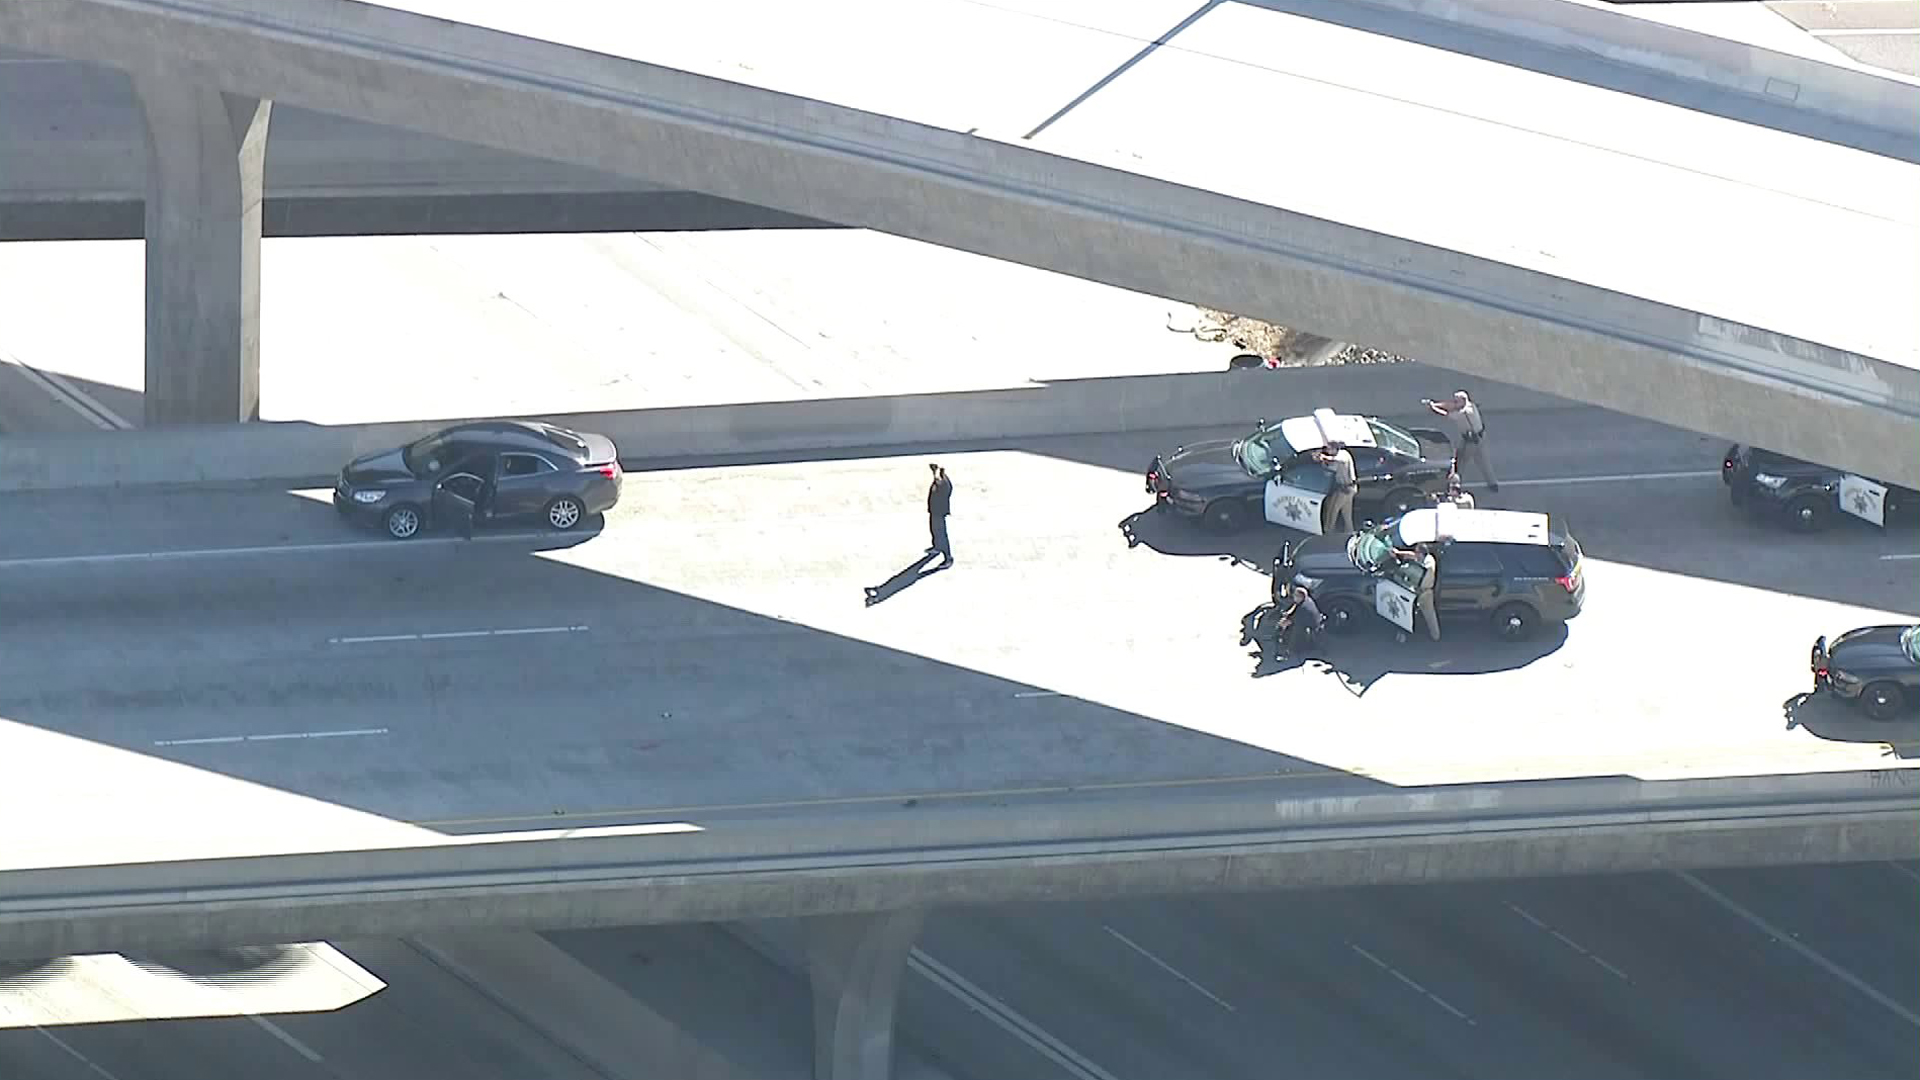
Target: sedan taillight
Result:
[[609, 471]]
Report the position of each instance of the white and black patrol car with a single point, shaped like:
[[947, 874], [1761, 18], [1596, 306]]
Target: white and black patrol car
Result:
[[1811, 497], [1269, 474], [1512, 570]]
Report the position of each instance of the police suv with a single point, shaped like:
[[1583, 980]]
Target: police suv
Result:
[[1515, 571]]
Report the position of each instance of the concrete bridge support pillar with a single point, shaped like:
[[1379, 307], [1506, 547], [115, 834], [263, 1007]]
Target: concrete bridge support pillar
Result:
[[205, 154], [855, 963]]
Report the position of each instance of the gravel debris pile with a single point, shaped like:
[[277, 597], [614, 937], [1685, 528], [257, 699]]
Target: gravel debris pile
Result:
[[1271, 341]]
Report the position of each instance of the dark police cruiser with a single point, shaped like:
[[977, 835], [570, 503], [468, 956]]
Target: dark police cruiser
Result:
[[1270, 475], [1512, 570], [1875, 667], [1808, 496], [494, 469]]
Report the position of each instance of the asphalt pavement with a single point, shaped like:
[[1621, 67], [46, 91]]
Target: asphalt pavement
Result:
[[365, 1010], [1883, 33], [1785, 973], [257, 675]]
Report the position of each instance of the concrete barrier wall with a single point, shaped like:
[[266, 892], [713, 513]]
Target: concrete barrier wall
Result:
[[303, 452], [1083, 850]]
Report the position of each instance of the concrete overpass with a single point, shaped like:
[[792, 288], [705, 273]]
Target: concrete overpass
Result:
[[73, 144], [862, 882], [1509, 252]]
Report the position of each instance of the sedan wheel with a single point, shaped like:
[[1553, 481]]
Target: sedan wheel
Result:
[[402, 522], [1882, 700], [565, 512]]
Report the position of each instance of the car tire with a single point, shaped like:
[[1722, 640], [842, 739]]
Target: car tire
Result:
[[1809, 513], [1515, 622], [1226, 516], [1344, 616], [564, 513], [1883, 700], [1399, 501], [403, 522]]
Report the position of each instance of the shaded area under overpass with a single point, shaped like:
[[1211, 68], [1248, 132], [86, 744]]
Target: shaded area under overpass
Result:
[[1823, 373]]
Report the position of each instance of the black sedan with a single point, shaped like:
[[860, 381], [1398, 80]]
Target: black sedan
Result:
[[1808, 496], [1876, 667], [1224, 482], [496, 469]]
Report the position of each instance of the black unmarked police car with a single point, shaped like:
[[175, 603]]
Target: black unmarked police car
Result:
[[1515, 571], [1232, 483], [1807, 496]]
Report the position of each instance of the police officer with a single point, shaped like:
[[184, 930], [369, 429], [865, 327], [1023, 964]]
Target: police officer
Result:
[[1423, 604], [1472, 429], [1339, 504], [939, 505]]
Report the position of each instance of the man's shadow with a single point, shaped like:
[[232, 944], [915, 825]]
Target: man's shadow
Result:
[[915, 571]]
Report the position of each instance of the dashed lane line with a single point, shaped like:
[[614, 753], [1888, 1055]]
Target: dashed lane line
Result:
[[1396, 973], [455, 635], [1806, 951], [269, 736]]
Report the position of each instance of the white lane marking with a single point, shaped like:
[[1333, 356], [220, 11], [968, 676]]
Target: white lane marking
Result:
[[273, 549], [1806, 951], [1905, 869], [1037, 693], [280, 1033], [96, 1067], [1915, 555], [450, 635], [1005, 1018], [1569, 942], [1166, 967], [1395, 972], [1611, 478], [35, 60], [273, 737]]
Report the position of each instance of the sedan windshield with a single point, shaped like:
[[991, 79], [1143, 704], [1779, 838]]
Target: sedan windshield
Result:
[[1910, 643], [1255, 454], [429, 449], [1393, 440], [1372, 550]]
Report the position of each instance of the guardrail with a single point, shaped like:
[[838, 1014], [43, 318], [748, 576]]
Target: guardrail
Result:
[[1072, 848], [294, 451]]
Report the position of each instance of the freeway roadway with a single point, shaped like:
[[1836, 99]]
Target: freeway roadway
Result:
[[1751, 975], [256, 676]]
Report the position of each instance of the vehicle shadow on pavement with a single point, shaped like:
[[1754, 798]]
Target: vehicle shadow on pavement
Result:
[[1164, 532], [1360, 660], [915, 571], [1826, 717]]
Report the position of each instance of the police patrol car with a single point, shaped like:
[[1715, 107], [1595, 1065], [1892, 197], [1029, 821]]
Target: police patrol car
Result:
[[1514, 570], [1232, 483], [1808, 496]]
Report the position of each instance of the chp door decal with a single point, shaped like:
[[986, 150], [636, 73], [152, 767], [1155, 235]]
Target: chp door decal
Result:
[[1394, 603], [1293, 506], [1863, 499]]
